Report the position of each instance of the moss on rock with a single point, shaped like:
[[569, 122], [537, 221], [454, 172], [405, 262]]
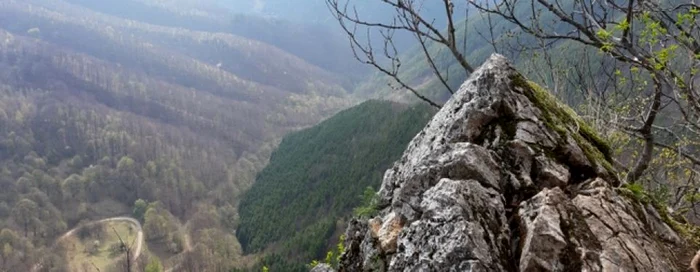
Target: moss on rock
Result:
[[636, 193], [562, 119]]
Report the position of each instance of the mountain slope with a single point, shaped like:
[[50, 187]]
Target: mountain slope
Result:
[[97, 111], [317, 176], [319, 44]]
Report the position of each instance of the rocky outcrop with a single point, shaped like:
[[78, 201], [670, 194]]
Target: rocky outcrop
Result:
[[504, 178]]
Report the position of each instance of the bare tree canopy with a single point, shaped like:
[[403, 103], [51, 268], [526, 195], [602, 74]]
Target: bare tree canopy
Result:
[[638, 61], [407, 17]]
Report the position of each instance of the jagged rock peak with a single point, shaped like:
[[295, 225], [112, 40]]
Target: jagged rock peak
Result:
[[504, 178]]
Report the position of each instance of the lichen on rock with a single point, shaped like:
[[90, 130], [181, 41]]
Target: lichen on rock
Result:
[[505, 178]]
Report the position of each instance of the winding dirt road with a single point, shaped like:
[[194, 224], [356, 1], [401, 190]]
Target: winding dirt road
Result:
[[136, 223]]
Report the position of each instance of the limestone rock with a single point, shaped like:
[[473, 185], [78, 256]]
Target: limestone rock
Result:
[[389, 232], [556, 237], [505, 179], [455, 212], [322, 268]]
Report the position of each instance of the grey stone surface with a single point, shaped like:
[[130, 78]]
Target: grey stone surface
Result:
[[322, 268], [492, 184]]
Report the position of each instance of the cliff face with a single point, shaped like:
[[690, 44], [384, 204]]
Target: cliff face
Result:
[[505, 179]]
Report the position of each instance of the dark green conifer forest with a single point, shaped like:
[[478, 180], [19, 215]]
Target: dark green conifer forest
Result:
[[316, 177]]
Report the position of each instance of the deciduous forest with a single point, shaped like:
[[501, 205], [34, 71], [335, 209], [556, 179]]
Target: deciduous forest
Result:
[[103, 115]]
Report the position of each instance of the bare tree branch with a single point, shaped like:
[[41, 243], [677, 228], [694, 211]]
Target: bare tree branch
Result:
[[407, 17]]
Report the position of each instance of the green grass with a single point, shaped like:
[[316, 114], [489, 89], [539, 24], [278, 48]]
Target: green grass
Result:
[[79, 258]]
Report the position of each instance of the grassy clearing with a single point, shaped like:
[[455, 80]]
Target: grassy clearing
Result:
[[95, 250]]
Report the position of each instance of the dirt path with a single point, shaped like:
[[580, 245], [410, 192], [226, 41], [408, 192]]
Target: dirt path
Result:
[[139, 235], [136, 223], [187, 247], [188, 242]]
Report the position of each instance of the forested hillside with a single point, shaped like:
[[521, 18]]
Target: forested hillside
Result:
[[316, 11], [98, 111], [318, 175], [319, 44]]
